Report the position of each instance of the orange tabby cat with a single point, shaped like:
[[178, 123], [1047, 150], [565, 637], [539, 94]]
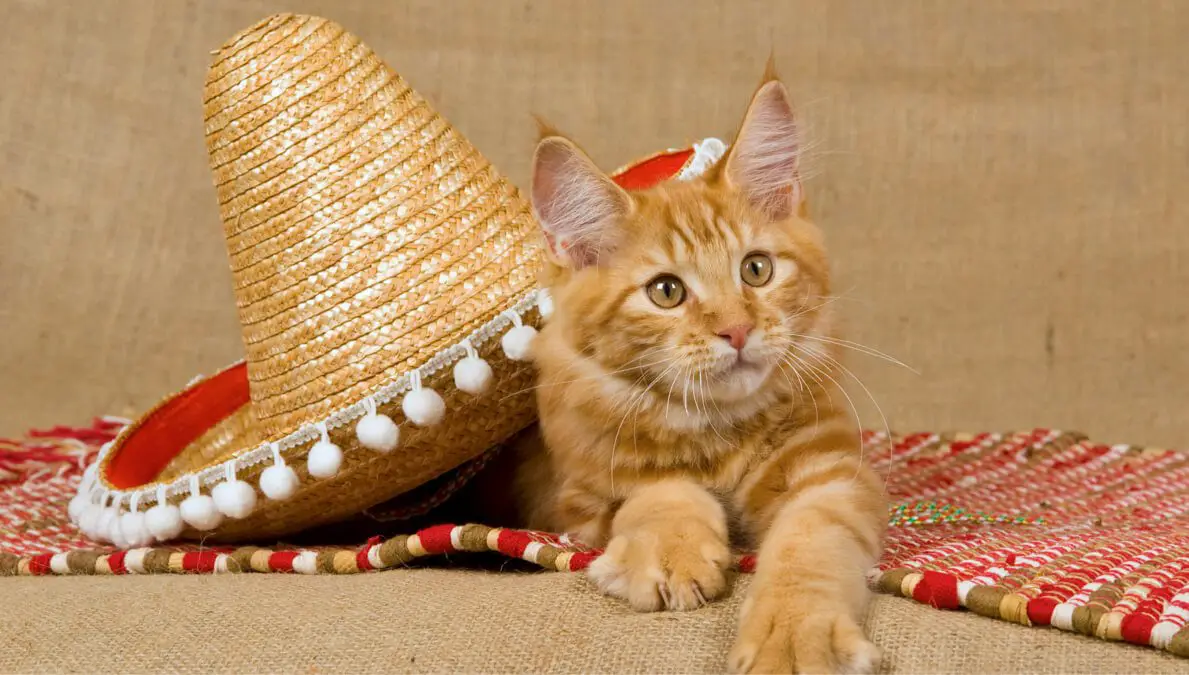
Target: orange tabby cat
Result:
[[688, 393]]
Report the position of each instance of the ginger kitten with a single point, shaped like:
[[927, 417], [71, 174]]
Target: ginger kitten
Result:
[[687, 387]]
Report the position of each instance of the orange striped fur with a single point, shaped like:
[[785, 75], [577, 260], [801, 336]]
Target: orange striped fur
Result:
[[662, 441]]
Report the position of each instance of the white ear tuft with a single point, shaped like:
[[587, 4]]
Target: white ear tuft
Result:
[[577, 205], [764, 159]]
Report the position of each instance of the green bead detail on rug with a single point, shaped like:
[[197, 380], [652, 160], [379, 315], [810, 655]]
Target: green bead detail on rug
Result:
[[935, 513]]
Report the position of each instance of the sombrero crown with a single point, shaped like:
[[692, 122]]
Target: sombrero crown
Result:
[[384, 274]]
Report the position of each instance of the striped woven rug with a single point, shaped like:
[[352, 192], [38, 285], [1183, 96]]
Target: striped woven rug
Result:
[[1041, 528]]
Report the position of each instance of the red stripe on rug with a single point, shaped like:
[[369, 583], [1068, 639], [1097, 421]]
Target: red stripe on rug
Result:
[[937, 589], [40, 564], [1137, 628], [199, 561], [361, 560], [1040, 611], [513, 542], [361, 557], [581, 560], [282, 561], [436, 539], [115, 562]]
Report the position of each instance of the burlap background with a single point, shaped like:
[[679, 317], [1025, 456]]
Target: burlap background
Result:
[[426, 621], [997, 179]]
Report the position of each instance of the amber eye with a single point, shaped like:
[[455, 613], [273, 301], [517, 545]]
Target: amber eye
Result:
[[756, 269], [666, 291]]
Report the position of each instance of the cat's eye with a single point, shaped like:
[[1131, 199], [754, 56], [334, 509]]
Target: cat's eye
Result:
[[666, 291], [756, 269]]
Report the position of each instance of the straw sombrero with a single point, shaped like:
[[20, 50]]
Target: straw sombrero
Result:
[[385, 278]]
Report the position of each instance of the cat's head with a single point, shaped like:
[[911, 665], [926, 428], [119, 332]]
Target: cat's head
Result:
[[716, 283]]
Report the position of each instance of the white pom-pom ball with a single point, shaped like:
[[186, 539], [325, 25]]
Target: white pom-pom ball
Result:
[[88, 520], [103, 527], [423, 407], [278, 482], [324, 460], [472, 375], [545, 304], [234, 498], [134, 531], [378, 432], [115, 534], [200, 512], [518, 342], [78, 504], [164, 521]]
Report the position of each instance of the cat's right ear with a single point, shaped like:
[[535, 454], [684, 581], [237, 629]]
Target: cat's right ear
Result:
[[578, 206]]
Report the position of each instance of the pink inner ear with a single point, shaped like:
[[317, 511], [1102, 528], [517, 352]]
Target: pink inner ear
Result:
[[765, 158], [577, 205]]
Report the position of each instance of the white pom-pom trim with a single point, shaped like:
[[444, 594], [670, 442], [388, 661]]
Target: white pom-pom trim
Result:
[[115, 533], [278, 481], [233, 497], [103, 527], [164, 520], [89, 520], [198, 510], [518, 341], [78, 504], [93, 506], [472, 374], [133, 528], [200, 513], [375, 431], [422, 406], [325, 457]]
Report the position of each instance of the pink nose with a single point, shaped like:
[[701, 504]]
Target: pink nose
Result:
[[736, 335]]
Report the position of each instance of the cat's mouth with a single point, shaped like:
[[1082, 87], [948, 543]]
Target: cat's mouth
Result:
[[742, 366], [740, 375], [742, 361]]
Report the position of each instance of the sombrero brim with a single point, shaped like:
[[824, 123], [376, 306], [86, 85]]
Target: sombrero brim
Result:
[[198, 437]]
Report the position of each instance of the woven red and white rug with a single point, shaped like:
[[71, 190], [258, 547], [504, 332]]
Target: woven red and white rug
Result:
[[1038, 528]]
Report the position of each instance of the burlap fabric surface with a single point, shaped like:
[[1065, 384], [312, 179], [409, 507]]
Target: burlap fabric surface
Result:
[[433, 621], [997, 179]]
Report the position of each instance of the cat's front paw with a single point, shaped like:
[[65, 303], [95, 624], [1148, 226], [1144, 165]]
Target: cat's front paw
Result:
[[680, 570], [787, 632]]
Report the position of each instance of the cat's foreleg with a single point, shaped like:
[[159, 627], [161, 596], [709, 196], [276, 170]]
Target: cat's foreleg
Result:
[[820, 535], [668, 548]]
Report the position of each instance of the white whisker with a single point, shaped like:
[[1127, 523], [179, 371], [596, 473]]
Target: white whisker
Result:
[[860, 348], [829, 360]]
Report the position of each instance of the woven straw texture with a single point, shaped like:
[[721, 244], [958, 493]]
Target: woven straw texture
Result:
[[365, 233], [1037, 528], [365, 236]]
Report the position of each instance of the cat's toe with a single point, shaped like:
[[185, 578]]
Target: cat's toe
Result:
[[651, 573], [777, 636]]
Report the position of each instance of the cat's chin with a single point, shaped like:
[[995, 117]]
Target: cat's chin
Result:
[[740, 381]]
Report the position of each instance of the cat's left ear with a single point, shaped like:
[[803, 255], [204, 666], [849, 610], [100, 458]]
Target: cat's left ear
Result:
[[765, 158]]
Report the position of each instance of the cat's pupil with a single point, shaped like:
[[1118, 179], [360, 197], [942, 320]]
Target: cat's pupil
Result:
[[756, 269], [666, 292]]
